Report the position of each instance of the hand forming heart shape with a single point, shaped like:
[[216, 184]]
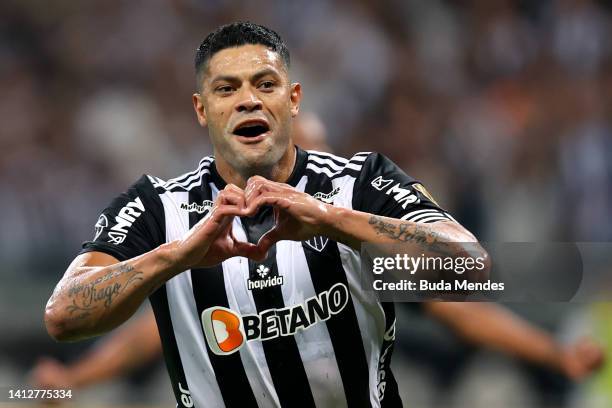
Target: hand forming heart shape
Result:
[[297, 216]]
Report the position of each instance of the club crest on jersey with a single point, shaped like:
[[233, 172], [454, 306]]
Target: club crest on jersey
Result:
[[227, 331], [124, 220], [100, 225], [317, 243], [264, 282], [203, 208]]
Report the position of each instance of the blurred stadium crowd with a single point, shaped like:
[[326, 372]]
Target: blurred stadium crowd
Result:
[[502, 108]]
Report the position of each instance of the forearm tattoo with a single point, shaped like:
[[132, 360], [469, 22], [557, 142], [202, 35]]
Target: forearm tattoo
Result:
[[410, 232], [87, 297]]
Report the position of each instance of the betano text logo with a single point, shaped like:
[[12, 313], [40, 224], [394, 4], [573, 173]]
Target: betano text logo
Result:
[[226, 331], [263, 271], [403, 196], [124, 220]]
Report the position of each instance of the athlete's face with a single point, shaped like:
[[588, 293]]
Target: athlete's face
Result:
[[247, 102]]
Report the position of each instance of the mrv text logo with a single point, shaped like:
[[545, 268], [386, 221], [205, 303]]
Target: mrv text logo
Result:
[[226, 331], [124, 220]]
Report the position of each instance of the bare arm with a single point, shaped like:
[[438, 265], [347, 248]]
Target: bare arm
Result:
[[489, 325], [300, 217], [132, 346], [97, 293]]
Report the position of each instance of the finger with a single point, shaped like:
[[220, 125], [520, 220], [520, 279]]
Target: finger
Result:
[[258, 185], [269, 239], [268, 198], [232, 197], [245, 249]]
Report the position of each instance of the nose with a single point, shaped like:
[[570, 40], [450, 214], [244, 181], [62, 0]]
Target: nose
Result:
[[249, 102]]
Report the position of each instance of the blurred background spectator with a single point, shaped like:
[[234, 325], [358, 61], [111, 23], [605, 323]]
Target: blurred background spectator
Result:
[[501, 108]]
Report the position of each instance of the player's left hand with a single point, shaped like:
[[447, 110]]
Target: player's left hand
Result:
[[298, 216], [581, 359]]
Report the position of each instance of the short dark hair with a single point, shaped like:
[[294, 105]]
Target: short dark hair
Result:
[[234, 35]]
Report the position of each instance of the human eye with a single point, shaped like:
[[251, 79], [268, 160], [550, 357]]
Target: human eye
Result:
[[266, 85], [224, 89]]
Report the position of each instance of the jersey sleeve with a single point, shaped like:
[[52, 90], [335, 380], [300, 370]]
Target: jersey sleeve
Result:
[[131, 225], [382, 188]]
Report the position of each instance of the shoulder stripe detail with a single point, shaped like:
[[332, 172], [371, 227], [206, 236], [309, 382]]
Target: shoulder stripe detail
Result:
[[411, 215], [188, 177], [426, 214], [325, 163], [432, 219], [319, 170], [359, 158], [198, 182], [340, 160], [332, 165], [353, 166], [181, 178]]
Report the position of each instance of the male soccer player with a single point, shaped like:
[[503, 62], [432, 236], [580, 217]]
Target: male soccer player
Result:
[[251, 261]]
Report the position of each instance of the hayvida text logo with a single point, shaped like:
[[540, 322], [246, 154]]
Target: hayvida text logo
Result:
[[227, 331]]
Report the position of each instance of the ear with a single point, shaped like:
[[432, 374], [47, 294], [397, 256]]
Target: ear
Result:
[[198, 106], [296, 98]]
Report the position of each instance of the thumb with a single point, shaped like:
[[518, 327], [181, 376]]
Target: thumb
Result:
[[268, 239]]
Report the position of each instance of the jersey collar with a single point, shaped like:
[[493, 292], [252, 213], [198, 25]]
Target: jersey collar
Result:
[[301, 157]]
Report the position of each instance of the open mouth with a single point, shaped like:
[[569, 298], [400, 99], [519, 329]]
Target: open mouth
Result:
[[251, 129]]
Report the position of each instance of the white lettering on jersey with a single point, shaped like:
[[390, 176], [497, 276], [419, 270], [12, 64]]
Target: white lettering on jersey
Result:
[[403, 196], [261, 283], [382, 373], [186, 399], [226, 331], [204, 208], [327, 197], [124, 220]]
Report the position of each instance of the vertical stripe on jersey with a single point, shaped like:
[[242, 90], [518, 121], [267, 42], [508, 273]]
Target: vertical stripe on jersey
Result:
[[326, 270], [240, 299], [371, 314], [186, 324], [388, 393], [159, 303], [208, 291], [314, 343], [282, 354]]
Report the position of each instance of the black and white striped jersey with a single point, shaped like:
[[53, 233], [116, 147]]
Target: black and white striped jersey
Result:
[[297, 329]]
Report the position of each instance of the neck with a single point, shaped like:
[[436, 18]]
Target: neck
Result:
[[279, 172]]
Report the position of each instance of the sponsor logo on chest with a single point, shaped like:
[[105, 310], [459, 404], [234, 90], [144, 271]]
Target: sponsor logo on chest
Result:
[[264, 280], [203, 208], [227, 331]]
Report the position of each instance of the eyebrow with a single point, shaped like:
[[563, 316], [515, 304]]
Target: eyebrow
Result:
[[255, 77]]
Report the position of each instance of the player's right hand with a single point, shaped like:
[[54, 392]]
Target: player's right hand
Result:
[[211, 241], [49, 373]]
